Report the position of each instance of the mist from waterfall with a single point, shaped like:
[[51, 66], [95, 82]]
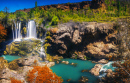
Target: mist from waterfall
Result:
[[31, 29]]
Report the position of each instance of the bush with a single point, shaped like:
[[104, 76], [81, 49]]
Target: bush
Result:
[[13, 65], [43, 75], [3, 33], [55, 20], [13, 80]]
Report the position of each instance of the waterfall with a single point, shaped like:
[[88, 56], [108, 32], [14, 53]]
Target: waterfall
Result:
[[13, 32], [31, 29], [17, 31]]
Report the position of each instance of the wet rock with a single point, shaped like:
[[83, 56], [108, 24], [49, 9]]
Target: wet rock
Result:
[[96, 69], [74, 64], [50, 64], [68, 80], [94, 62], [65, 62], [103, 61], [110, 73], [85, 70], [83, 79], [57, 62]]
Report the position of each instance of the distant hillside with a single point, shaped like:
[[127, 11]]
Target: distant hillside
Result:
[[71, 6]]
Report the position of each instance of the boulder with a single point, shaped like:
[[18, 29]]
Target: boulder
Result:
[[50, 64], [96, 69], [83, 79], [103, 61], [65, 62], [110, 73]]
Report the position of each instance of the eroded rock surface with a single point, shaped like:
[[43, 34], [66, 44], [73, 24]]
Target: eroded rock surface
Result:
[[89, 38], [103, 61], [96, 69]]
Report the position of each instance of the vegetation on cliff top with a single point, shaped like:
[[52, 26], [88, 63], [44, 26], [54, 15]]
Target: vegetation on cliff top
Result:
[[110, 10]]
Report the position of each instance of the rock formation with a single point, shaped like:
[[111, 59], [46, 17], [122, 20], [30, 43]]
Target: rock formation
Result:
[[89, 38], [96, 69]]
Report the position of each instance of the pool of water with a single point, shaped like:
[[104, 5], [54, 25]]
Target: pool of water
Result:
[[10, 58], [74, 72]]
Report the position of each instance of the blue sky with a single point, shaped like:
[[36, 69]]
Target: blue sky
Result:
[[14, 5]]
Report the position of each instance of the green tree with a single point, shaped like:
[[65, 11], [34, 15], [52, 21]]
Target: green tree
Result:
[[36, 4], [20, 15], [55, 20], [2, 15]]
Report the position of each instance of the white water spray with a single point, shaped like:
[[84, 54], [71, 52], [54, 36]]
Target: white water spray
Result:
[[31, 29]]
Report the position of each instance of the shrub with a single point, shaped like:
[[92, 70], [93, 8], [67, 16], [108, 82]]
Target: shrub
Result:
[[13, 65], [55, 20], [43, 75], [13, 80], [3, 33]]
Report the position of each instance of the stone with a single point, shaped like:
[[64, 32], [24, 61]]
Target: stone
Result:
[[65, 62], [109, 71], [83, 79], [68, 80], [96, 69], [57, 62], [100, 49], [85, 70], [76, 38], [103, 61], [50, 64], [74, 64]]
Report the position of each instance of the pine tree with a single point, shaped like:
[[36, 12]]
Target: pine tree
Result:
[[36, 4]]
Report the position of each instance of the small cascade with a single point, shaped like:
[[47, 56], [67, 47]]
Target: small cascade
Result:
[[105, 67], [42, 52], [17, 31], [31, 29]]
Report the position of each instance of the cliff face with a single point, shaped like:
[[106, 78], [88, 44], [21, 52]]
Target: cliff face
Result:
[[84, 39], [71, 6], [91, 39]]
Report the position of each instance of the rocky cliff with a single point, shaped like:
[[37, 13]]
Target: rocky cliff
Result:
[[82, 40]]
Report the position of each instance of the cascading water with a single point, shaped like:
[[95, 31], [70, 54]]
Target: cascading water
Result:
[[31, 33], [31, 29], [104, 69], [17, 31]]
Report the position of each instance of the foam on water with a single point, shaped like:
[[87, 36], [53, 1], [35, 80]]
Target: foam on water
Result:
[[105, 67]]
